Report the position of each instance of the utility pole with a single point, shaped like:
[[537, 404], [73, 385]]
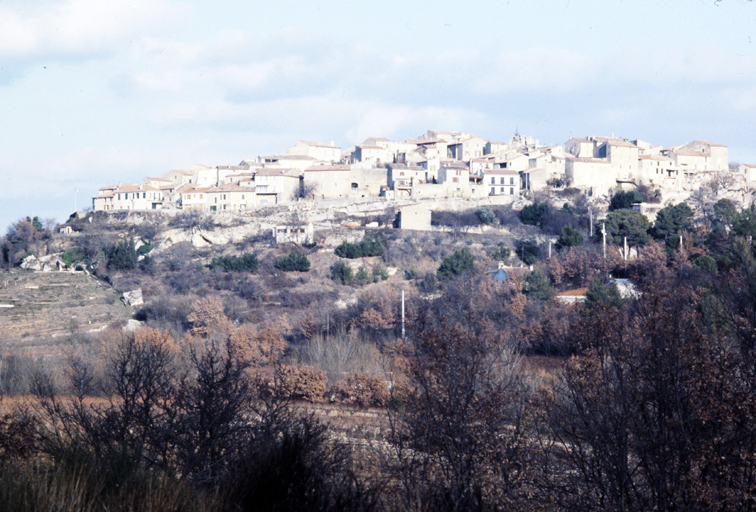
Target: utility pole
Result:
[[625, 249], [402, 315], [603, 233], [549, 249], [590, 212]]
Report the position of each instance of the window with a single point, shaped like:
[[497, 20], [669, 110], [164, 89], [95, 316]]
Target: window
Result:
[[502, 180], [501, 190], [493, 190], [511, 181], [493, 180], [511, 191]]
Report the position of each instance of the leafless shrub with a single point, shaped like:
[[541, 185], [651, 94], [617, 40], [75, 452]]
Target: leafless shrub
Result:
[[340, 354]]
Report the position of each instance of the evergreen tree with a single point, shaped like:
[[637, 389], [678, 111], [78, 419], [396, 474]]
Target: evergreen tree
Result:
[[570, 237], [457, 264]]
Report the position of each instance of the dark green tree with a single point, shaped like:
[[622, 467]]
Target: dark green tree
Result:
[[457, 264], [293, 262], [745, 223], [365, 248], [123, 255], [602, 294], [626, 223], [247, 262], [485, 215], [534, 214], [342, 273], [501, 253], [570, 237], [725, 212], [537, 286], [671, 220], [527, 251], [706, 263], [624, 200]]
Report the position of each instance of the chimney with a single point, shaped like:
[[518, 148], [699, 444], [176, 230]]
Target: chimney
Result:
[[332, 144]]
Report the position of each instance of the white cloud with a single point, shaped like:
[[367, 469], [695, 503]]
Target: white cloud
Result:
[[537, 68], [77, 26]]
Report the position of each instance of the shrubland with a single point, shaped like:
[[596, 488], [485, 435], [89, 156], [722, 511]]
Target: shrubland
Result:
[[648, 402]]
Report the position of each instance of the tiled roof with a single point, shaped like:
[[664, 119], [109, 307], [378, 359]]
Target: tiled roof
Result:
[[287, 157], [317, 144], [589, 160], [500, 172], [404, 167], [230, 187], [621, 143], [316, 168], [136, 188], [269, 171], [706, 143], [688, 152]]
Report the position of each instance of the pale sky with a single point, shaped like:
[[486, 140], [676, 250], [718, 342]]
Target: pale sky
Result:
[[94, 92]]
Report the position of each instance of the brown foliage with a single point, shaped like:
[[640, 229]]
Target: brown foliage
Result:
[[258, 347], [298, 383], [207, 317], [361, 390]]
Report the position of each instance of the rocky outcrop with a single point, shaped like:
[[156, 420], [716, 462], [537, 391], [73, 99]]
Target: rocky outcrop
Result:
[[49, 263], [133, 298]]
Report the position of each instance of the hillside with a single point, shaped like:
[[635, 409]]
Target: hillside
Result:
[[48, 305]]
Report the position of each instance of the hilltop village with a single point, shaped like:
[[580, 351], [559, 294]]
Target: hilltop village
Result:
[[436, 165]]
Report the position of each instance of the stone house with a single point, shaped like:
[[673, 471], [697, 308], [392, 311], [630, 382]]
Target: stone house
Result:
[[658, 170], [468, 148], [298, 162], [178, 176], [284, 183], [499, 182], [128, 197], [328, 181], [595, 174], [377, 155], [405, 175], [318, 150], [294, 232], [194, 198], [749, 171], [416, 216], [492, 148], [455, 176], [231, 197]]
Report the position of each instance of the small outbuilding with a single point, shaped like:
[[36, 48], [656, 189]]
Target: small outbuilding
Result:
[[416, 217], [298, 233]]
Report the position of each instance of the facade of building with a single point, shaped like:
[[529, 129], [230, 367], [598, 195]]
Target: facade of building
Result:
[[128, 197], [194, 198], [500, 182], [231, 197], [318, 150], [284, 183]]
